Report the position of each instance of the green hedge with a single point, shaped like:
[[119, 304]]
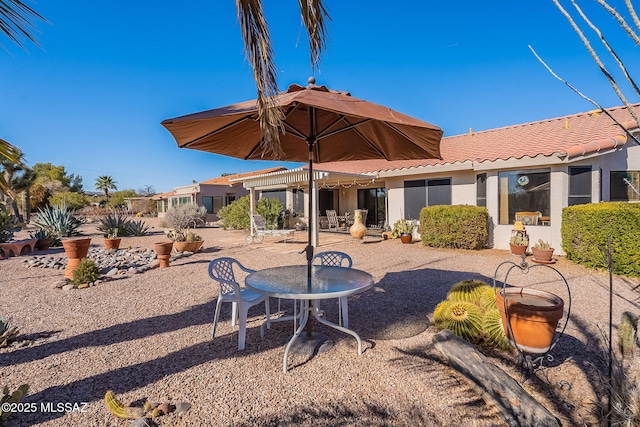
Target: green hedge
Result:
[[458, 227], [585, 229]]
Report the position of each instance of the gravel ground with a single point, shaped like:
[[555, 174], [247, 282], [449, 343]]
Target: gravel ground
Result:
[[147, 337]]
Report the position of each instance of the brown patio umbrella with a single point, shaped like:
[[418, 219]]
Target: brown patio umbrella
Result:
[[320, 125]]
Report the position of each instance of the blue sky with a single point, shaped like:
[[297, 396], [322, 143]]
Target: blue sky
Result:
[[109, 72]]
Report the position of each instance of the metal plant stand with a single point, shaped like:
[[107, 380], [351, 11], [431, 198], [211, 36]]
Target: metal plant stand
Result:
[[530, 361]]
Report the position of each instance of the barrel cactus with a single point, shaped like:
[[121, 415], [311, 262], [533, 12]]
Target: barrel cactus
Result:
[[627, 332], [465, 320], [466, 291], [493, 331]]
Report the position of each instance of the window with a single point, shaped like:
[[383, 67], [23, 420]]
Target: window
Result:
[[421, 193], [622, 184], [481, 189], [374, 200], [298, 200], [179, 201], [213, 204], [579, 185], [229, 198], [524, 191], [276, 194]]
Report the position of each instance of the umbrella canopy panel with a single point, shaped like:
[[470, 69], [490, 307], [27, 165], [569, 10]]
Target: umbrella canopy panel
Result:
[[346, 128]]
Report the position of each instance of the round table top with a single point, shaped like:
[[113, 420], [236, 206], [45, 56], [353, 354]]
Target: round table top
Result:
[[326, 282]]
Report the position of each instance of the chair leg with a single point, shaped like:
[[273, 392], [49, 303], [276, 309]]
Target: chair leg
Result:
[[234, 313], [215, 318], [242, 333]]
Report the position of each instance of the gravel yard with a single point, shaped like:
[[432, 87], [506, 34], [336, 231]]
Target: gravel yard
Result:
[[147, 336]]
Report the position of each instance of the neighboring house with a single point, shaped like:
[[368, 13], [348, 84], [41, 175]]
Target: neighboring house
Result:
[[540, 166], [213, 194]]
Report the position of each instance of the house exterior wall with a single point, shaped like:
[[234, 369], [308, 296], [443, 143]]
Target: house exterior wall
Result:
[[463, 191]]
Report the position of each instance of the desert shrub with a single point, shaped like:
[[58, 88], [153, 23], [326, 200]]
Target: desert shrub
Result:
[[116, 199], [236, 214], [59, 221], [71, 199], [585, 229], [7, 332], [271, 211], [86, 272], [185, 217], [457, 227]]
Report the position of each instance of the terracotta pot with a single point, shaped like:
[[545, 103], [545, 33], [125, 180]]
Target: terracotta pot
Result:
[[358, 229], [533, 315], [112, 243], [163, 249], [76, 249], [43, 244], [406, 238], [188, 246], [542, 254], [518, 249]]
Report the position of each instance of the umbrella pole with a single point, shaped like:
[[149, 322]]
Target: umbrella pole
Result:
[[309, 248]]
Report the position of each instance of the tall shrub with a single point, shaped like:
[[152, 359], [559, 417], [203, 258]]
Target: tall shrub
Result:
[[585, 229], [457, 227], [236, 215]]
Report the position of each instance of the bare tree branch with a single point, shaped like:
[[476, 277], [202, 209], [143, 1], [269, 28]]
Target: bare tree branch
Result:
[[597, 60], [608, 46], [632, 12], [629, 134], [621, 20]]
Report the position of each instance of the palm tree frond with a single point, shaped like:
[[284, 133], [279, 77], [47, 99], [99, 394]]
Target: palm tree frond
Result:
[[17, 21], [315, 16], [259, 51]]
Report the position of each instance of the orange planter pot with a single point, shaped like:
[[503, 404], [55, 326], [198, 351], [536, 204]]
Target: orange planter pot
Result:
[[163, 250], [406, 238], [542, 254], [517, 249], [76, 250], [533, 315], [112, 243], [188, 246]]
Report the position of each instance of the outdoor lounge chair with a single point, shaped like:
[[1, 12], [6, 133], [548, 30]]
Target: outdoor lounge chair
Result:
[[332, 216], [259, 230], [336, 259], [222, 271]]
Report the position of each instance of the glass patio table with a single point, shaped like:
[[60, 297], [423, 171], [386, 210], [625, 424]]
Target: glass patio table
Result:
[[292, 282]]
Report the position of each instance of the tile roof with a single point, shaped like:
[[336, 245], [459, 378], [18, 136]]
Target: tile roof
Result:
[[568, 136], [224, 180]]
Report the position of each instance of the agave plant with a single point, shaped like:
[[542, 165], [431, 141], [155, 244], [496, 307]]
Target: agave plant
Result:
[[7, 333], [59, 222], [115, 223], [138, 228]]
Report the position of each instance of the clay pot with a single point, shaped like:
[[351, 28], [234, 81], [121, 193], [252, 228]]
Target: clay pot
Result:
[[43, 244], [517, 249], [406, 238], [163, 250], [358, 229], [533, 315], [542, 254], [112, 243], [188, 246], [76, 249]]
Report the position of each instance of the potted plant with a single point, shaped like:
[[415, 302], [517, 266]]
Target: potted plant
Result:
[[519, 243], [111, 240], [403, 228], [44, 239], [182, 219], [542, 251]]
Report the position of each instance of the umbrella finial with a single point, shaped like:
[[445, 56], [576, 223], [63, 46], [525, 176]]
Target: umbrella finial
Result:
[[312, 81]]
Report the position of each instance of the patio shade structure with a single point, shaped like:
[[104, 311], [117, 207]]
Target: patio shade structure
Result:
[[320, 125]]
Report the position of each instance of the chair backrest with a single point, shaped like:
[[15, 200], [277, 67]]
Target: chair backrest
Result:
[[332, 216], [528, 218], [222, 271], [333, 259], [258, 222]]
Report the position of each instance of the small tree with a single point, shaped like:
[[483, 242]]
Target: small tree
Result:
[[105, 183]]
